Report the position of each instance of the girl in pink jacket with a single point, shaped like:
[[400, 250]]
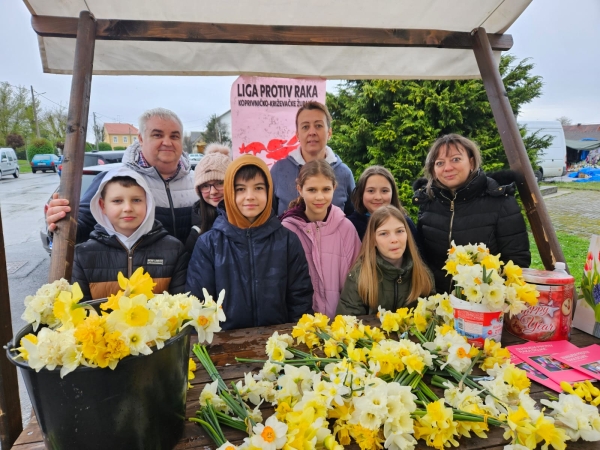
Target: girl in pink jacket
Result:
[[329, 239]]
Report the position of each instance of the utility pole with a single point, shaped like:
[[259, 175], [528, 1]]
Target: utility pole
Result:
[[95, 131], [37, 127]]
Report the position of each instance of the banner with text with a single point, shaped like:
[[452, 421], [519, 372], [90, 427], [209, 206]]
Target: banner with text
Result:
[[263, 114]]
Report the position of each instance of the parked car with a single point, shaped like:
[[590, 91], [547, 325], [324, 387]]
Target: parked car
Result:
[[8, 163], [43, 162], [195, 159], [88, 175], [102, 157]]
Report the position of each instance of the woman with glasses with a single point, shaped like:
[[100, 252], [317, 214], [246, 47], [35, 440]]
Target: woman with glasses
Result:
[[209, 175], [459, 202]]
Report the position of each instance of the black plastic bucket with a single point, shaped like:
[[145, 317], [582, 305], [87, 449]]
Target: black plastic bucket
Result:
[[139, 405]]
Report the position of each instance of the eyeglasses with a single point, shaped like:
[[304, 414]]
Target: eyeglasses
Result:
[[218, 185]]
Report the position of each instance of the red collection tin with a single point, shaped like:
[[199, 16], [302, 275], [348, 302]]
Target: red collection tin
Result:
[[550, 320]]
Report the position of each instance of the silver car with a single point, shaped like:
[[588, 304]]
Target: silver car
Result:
[[89, 173]]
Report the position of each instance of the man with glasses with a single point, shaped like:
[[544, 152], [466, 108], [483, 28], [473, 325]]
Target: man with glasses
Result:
[[158, 156]]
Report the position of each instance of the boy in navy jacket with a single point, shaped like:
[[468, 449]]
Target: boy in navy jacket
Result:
[[260, 264]]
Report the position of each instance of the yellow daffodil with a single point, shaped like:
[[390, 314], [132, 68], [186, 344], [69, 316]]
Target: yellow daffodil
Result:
[[140, 283], [491, 262], [513, 273], [450, 267], [546, 431], [437, 427], [67, 308], [23, 353]]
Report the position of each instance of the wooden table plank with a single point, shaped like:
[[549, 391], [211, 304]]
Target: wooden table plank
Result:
[[250, 343]]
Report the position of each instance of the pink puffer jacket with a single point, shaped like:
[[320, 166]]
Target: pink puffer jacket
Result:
[[331, 248]]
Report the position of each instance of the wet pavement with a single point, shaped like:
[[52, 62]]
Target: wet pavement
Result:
[[576, 212]]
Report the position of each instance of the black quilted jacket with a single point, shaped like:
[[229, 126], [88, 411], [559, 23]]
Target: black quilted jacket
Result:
[[483, 211], [99, 260]]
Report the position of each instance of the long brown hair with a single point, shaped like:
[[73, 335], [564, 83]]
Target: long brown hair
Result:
[[359, 190], [309, 170], [368, 278], [456, 141]]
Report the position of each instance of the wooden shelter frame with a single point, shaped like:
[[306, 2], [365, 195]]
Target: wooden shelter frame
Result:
[[86, 29]]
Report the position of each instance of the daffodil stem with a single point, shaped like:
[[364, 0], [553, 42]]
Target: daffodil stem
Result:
[[231, 422], [427, 391], [202, 355], [440, 382], [463, 416], [469, 369], [210, 430]]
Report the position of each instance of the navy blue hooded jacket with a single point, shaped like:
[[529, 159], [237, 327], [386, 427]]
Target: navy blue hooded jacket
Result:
[[263, 271]]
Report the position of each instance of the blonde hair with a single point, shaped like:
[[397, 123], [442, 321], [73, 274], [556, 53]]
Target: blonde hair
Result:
[[309, 170], [368, 278]]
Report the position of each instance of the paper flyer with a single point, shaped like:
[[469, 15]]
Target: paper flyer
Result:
[[539, 355], [534, 374], [586, 360]]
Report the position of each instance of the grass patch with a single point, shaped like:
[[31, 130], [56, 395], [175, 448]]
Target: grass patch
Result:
[[575, 186], [24, 166], [574, 248]]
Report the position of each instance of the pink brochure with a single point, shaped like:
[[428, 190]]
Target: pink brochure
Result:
[[586, 360], [534, 374], [539, 355]]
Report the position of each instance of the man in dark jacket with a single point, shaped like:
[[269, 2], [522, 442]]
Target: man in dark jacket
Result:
[[158, 156], [260, 264], [125, 238]]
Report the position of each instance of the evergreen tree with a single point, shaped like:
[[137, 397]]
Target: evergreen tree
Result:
[[393, 123], [216, 131]]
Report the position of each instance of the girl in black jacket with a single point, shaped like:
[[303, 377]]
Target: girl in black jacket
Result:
[[208, 183], [458, 202]]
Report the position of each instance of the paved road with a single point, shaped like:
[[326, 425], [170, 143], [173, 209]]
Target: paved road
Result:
[[575, 212], [22, 203]]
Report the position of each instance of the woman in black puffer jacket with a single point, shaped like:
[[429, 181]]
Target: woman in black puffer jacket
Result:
[[458, 202]]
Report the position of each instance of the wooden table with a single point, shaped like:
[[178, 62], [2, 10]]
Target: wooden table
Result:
[[250, 343]]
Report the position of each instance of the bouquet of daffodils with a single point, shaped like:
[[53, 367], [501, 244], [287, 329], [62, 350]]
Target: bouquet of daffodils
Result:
[[131, 323], [357, 384], [480, 277]]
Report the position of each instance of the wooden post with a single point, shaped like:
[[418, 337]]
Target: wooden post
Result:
[[65, 235], [11, 424], [541, 226]]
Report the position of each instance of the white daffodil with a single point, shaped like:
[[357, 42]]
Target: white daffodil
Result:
[[209, 394], [271, 435]]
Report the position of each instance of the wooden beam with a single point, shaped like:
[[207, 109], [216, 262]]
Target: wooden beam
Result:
[[539, 219], [11, 424], [65, 235], [155, 30]]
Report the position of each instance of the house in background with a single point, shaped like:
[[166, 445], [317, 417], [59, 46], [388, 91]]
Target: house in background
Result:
[[120, 134], [198, 143], [197, 138]]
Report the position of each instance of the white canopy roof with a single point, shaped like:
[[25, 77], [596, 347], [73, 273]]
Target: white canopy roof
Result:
[[118, 57]]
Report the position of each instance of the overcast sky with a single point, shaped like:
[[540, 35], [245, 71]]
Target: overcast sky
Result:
[[562, 39]]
